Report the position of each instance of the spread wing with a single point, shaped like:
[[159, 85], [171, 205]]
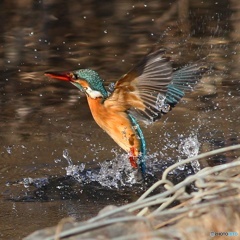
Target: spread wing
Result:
[[151, 88], [139, 89]]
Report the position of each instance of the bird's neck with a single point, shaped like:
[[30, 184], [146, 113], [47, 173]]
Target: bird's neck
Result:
[[96, 106]]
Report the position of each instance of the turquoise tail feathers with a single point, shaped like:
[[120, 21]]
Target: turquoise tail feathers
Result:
[[183, 80]]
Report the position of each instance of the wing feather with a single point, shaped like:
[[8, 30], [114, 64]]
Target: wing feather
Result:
[[148, 78], [152, 88]]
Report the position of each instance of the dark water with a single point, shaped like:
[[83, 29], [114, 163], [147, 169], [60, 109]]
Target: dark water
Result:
[[40, 118]]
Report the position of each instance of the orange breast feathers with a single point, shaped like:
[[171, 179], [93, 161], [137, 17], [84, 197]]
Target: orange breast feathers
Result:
[[116, 123]]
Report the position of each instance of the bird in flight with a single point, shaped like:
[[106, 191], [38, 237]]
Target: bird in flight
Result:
[[149, 90]]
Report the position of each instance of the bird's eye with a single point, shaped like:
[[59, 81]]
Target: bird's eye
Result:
[[73, 76]]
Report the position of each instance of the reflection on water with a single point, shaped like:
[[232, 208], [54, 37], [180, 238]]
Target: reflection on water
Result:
[[39, 118]]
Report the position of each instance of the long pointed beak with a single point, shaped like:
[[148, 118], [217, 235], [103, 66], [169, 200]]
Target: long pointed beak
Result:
[[64, 76]]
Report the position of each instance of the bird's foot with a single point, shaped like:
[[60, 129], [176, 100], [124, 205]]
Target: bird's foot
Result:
[[133, 158]]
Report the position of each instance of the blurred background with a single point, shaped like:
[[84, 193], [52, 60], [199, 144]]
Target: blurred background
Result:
[[40, 118]]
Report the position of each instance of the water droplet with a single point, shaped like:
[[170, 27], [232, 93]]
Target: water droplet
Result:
[[9, 150], [190, 147], [57, 160], [27, 182], [67, 157], [166, 108], [81, 167], [111, 87], [160, 101]]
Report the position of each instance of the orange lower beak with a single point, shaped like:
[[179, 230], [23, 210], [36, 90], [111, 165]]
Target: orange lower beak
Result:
[[64, 76]]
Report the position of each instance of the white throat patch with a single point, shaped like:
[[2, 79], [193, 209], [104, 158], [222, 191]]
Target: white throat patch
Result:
[[92, 93]]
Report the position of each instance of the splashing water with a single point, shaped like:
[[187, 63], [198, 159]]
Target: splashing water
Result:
[[160, 101], [37, 182], [67, 157], [161, 105], [71, 169], [9, 149], [115, 173], [189, 147], [118, 172]]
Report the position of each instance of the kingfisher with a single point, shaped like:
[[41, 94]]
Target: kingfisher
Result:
[[146, 92]]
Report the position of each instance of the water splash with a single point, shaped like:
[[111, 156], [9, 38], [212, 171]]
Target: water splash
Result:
[[115, 173], [71, 169], [118, 172], [9, 150], [37, 182], [112, 174], [160, 101], [161, 105], [67, 157], [189, 147]]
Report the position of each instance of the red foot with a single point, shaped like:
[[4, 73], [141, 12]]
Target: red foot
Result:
[[133, 157]]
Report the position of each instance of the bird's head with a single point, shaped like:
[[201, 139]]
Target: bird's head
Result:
[[86, 80]]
